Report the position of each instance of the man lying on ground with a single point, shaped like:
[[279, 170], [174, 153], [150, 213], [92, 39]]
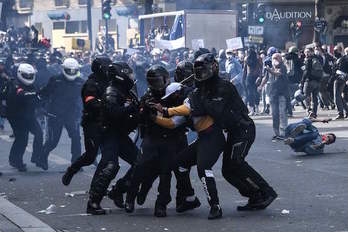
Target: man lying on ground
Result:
[[304, 137]]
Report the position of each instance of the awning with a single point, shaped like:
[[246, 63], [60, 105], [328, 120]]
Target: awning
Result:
[[58, 15]]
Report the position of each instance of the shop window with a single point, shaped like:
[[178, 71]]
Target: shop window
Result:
[[73, 27], [25, 4], [61, 3], [58, 26], [83, 2], [111, 23]]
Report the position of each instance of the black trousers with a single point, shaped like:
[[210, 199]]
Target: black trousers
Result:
[[21, 129], [92, 138], [113, 146], [183, 182], [204, 152], [157, 156], [54, 132], [234, 167]]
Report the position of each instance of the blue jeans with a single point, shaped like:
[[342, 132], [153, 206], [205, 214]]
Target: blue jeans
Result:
[[279, 115]]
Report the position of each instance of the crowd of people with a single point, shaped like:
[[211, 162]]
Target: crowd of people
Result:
[[311, 77], [164, 94]]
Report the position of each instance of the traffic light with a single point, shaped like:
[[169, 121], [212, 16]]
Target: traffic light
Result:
[[245, 12], [260, 13], [106, 9]]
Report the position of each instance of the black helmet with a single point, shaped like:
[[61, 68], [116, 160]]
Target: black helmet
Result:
[[121, 73], [205, 67], [183, 70], [157, 78], [200, 52], [100, 65]]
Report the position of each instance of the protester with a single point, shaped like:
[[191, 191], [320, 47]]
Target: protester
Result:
[[304, 137], [278, 94]]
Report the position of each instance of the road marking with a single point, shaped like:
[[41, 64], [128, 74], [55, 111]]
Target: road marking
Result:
[[22, 219]]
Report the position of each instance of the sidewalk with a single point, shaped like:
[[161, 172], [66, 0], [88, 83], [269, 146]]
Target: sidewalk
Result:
[[15, 219], [7, 226]]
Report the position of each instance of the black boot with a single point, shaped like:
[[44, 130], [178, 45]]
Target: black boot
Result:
[[68, 175], [117, 196], [129, 207], [160, 210], [215, 212], [141, 198], [42, 163], [259, 201], [22, 167], [94, 208], [187, 205], [34, 159]]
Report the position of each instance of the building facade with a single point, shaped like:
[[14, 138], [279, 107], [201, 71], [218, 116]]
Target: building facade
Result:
[[65, 21], [279, 14], [123, 24]]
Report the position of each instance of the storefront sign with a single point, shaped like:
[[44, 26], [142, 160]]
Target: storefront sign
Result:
[[281, 13]]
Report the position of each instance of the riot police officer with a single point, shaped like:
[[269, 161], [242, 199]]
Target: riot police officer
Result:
[[185, 199], [224, 104], [92, 117], [92, 94], [121, 118], [64, 108], [158, 146], [21, 92]]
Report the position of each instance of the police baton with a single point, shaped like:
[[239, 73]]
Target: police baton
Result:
[[187, 79]]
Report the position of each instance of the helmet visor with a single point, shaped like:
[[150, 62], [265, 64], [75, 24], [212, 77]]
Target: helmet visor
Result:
[[202, 72], [71, 72], [156, 83], [28, 76]]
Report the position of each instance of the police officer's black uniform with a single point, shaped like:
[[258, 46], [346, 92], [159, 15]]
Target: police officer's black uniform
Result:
[[23, 120], [183, 73], [92, 94], [158, 145], [64, 108], [225, 105], [121, 118]]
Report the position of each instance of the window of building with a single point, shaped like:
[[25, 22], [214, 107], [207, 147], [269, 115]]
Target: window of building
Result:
[[60, 2], [83, 2], [58, 26], [73, 27], [26, 3], [111, 23]]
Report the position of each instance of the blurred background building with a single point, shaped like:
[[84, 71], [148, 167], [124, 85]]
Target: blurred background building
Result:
[[65, 21]]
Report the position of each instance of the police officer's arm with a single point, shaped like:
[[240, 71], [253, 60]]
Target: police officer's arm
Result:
[[90, 100], [113, 107], [24, 95]]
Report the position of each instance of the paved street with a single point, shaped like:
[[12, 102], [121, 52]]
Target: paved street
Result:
[[313, 192]]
